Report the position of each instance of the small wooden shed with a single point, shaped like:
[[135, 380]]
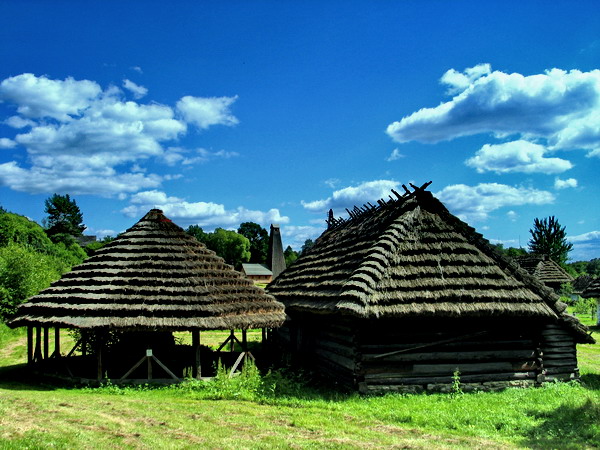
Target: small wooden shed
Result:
[[152, 280], [403, 295]]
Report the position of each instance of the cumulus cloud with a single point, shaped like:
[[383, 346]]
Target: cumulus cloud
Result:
[[475, 203], [137, 90], [560, 107], [204, 112], [81, 138], [39, 97], [204, 214], [351, 196], [565, 184], [517, 156]]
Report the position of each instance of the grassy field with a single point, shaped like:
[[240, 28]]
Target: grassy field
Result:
[[275, 411]]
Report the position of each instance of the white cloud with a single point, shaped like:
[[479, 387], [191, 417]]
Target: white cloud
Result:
[[204, 112], [137, 90], [296, 236], [512, 215], [395, 155], [7, 143], [516, 156], [75, 133], [560, 107], [39, 97], [475, 203], [459, 81], [204, 214], [585, 246], [565, 184], [351, 196], [177, 155]]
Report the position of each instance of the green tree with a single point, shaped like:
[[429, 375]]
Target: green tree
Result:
[[229, 245], [64, 216], [259, 241], [308, 244], [548, 237], [197, 232], [290, 256]]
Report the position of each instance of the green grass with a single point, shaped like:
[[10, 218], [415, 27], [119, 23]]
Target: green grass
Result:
[[282, 410]]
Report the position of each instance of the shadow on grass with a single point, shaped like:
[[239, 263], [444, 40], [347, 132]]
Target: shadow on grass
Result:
[[591, 381], [567, 427], [21, 378]]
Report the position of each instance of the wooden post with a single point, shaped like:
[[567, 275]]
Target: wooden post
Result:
[[244, 340], [29, 344], [56, 342], [232, 336], [37, 356], [149, 362], [83, 343], [46, 346], [197, 368], [264, 335], [99, 345]]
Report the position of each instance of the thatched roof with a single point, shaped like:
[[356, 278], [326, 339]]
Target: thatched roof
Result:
[[154, 276], [410, 257], [275, 256], [581, 283], [544, 269], [593, 289]]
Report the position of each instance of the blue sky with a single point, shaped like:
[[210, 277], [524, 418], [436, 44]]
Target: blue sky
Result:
[[274, 112]]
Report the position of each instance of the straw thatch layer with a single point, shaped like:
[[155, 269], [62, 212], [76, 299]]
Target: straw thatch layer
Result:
[[154, 276], [544, 269], [411, 257]]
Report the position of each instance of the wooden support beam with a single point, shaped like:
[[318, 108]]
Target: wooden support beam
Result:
[[37, 356], [244, 341], [46, 343], [83, 340], [29, 345], [197, 367], [99, 348], [149, 361], [56, 342]]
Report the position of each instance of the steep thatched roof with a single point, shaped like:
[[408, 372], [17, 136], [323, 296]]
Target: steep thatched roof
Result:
[[154, 276], [544, 269], [410, 257], [593, 289]]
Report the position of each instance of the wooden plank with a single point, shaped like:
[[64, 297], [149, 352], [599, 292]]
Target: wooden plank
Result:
[[560, 363], [138, 364], [37, 355], [479, 378], [348, 363], [456, 356]]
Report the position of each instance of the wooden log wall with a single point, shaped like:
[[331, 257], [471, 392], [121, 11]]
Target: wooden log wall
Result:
[[422, 355], [559, 354]]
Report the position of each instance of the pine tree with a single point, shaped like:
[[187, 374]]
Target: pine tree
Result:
[[64, 216], [548, 237]]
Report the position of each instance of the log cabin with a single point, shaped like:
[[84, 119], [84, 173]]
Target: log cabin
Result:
[[403, 296]]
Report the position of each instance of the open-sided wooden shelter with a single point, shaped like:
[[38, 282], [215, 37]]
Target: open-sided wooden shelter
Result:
[[403, 295], [152, 280]]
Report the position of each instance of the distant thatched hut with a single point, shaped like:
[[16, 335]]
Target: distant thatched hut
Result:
[[546, 270], [153, 278], [403, 294]]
